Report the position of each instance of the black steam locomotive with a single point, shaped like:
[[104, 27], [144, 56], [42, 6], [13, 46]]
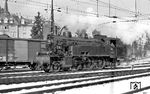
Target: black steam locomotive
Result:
[[73, 53]]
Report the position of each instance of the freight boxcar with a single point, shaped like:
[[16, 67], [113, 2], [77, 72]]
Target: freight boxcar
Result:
[[17, 51]]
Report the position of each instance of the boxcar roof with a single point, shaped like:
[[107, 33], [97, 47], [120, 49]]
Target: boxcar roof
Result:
[[75, 39], [6, 37]]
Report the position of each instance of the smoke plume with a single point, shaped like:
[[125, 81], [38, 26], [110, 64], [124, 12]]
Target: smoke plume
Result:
[[128, 32]]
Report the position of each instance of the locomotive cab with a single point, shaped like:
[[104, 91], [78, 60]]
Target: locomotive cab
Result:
[[67, 34]]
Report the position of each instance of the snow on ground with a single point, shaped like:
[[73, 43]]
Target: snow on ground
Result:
[[135, 62], [144, 92], [42, 83], [105, 88], [110, 88], [20, 72], [73, 73], [45, 87]]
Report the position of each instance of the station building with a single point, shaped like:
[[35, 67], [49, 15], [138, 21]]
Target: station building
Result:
[[13, 25]]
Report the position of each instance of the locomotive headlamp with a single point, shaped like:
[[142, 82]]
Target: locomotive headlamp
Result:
[[37, 53], [111, 49], [50, 41]]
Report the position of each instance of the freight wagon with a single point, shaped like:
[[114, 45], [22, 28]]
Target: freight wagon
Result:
[[17, 51]]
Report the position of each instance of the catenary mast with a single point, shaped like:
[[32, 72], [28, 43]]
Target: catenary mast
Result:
[[52, 18]]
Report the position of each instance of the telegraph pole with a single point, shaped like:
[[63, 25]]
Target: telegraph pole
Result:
[[52, 18], [136, 8], [97, 9], [109, 8], [67, 9]]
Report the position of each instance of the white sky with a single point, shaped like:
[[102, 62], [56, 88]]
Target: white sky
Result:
[[28, 8]]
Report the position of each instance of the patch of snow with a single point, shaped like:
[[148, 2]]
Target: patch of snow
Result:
[[41, 82], [20, 72], [118, 87], [108, 88], [82, 72]]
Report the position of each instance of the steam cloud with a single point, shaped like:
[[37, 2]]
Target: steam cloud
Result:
[[128, 32]]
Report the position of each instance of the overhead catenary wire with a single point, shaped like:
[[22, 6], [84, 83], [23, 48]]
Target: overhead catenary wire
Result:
[[83, 2], [116, 7], [45, 6], [25, 3], [106, 5], [68, 10]]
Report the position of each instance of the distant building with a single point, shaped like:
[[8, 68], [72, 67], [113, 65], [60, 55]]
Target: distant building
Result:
[[13, 25]]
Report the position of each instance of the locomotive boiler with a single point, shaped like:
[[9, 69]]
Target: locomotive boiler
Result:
[[65, 52]]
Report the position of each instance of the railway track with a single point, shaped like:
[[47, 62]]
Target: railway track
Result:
[[61, 81], [27, 71], [24, 77]]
